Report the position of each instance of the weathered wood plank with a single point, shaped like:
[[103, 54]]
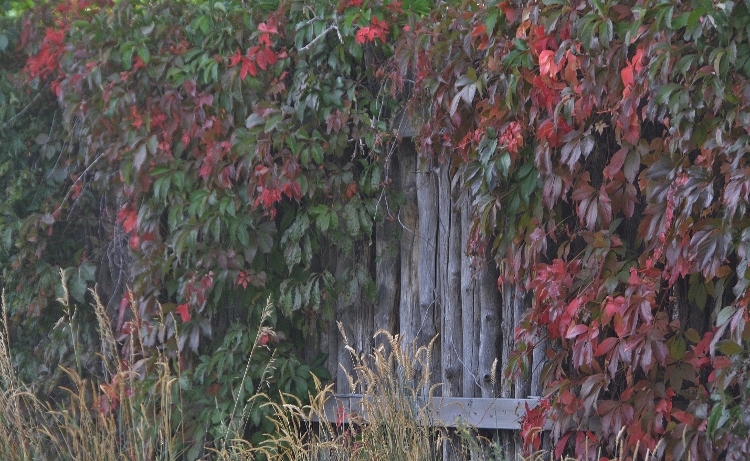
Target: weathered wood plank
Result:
[[508, 439], [470, 316], [387, 267], [489, 333], [362, 308], [428, 309], [449, 282], [446, 411], [409, 249], [449, 274]]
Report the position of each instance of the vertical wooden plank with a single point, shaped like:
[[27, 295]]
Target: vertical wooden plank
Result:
[[522, 385], [489, 333], [449, 273], [449, 278], [539, 359], [387, 262], [344, 315], [409, 250], [428, 309], [469, 308], [507, 326], [362, 309]]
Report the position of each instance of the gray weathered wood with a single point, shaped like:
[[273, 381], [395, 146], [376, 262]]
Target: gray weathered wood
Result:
[[479, 413], [387, 262], [470, 316], [346, 316], [489, 333], [449, 282], [409, 248], [428, 309], [507, 344], [449, 272], [361, 307], [427, 283]]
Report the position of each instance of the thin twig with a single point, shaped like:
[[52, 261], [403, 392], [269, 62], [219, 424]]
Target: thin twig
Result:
[[77, 181], [24, 110], [319, 37]]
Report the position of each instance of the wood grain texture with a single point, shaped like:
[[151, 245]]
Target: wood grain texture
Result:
[[409, 247], [479, 413], [428, 309], [388, 258], [490, 304], [470, 315], [449, 274]]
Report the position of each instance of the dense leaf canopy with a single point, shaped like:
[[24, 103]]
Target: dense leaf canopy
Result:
[[196, 158]]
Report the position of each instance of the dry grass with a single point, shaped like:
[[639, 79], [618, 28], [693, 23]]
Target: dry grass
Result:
[[98, 421], [111, 421], [393, 422]]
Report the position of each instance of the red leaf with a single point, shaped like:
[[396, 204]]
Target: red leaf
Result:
[[270, 56], [260, 59], [627, 77], [478, 30], [615, 164], [128, 218], [235, 58], [182, 309], [561, 445], [547, 66], [605, 346], [269, 29], [576, 330]]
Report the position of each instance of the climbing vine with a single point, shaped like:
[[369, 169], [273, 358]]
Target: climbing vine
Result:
[[195, 158], [605, 144]]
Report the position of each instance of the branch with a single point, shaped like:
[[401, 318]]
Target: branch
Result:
[[319, 37], [24, 110]]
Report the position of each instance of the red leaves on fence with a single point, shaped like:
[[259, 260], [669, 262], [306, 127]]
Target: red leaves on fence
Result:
[[376, 29], [260, 56], [533, 425]]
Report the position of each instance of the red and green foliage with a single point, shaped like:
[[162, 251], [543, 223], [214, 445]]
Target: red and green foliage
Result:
[[605, 145], [193, 160], [220, 149]]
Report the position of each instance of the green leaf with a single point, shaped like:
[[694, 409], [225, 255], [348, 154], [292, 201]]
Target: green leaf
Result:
[[126, 54], [144, 54], [323, 221], [87, 271], [492, 20], [139, 157], [292, 255], [317, 153], [152, 144], [716, 420], [724, 315], [680, 21], [729, 347], [677, 348], [606, 32], [663, 93]]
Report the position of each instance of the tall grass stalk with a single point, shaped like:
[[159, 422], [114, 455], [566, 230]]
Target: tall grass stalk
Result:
[[393, 422], [115, 420]]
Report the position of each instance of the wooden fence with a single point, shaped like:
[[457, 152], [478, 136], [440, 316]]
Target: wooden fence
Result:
[[492, 414], [428, 285]]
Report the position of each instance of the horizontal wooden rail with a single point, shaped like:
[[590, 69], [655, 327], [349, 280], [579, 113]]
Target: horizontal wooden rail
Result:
[[448, 411]]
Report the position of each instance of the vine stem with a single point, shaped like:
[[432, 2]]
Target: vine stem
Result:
[[320, 37]]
